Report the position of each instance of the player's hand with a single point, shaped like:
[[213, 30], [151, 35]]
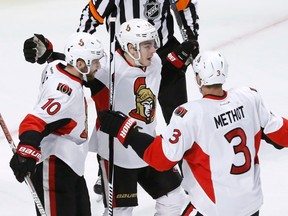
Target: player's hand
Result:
[[37, 49], [181, 56], [23, 162], [116, 124]]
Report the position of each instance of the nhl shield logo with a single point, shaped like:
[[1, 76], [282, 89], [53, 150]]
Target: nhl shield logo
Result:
[[151, 9]]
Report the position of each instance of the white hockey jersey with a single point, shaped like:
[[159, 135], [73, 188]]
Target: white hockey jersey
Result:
[[135, 94], [61, 104], [219, 139]]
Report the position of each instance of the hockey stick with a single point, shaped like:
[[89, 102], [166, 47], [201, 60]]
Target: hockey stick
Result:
[[178, 19], [179, 22], [111, 21], [26, 178]]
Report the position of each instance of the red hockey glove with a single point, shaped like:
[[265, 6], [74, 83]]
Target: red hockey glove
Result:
[[179, 57], [116, 124], [24, 161], [37, 48]]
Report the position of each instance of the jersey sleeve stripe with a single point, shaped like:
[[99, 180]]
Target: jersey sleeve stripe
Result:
[[279, 137], [161, 162], [32, 122]]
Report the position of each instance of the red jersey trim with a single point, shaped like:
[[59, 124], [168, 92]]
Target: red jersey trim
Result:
[[161, 162], [215, 97], [199, 163], [257, 140], [66, 129], [280, 136], [31, 122], [62, 70]]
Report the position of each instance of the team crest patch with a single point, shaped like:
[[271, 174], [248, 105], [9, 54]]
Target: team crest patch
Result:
[[145, 102], [64, 88], [180, 111], [151, 9]]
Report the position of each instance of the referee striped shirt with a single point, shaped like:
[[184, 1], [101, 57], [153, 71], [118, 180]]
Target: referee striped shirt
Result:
[[157, 12]]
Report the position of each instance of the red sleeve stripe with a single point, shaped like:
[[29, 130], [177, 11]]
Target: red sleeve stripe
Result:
[[280, 136], [32, 122], [66, 129], [161, 162]]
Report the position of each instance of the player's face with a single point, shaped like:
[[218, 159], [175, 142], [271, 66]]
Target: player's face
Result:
[[147, 50], [95, 66]]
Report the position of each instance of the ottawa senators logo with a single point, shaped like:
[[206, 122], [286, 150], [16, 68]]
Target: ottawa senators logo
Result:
[[151, 9], [145, 102], [180, 111], [64, 88]]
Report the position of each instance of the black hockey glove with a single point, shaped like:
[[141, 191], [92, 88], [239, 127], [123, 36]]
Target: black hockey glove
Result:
[[116, 124], [24, 161], [37, 48], [181, 55]]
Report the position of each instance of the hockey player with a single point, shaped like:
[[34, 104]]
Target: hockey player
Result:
[[136, 86], [218, 137], [53, 137]]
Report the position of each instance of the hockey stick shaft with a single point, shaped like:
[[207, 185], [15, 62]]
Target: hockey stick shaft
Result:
[[178, 19], [27, 178], [112, 20]]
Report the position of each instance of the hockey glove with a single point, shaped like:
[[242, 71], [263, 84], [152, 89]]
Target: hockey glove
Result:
[[116, 124], [23, 162], [181, 55], [37, 48]]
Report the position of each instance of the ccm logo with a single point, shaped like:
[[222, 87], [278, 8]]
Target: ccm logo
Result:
[[126, 127], [28, 151]]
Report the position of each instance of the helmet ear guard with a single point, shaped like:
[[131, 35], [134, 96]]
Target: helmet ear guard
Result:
[[212, 68], [82, 45], [136, 31]]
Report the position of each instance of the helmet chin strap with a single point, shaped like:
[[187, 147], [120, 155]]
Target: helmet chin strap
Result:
[[84, 75], [136, 61]]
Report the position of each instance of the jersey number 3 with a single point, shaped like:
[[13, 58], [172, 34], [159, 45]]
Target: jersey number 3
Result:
[[240, 148]]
